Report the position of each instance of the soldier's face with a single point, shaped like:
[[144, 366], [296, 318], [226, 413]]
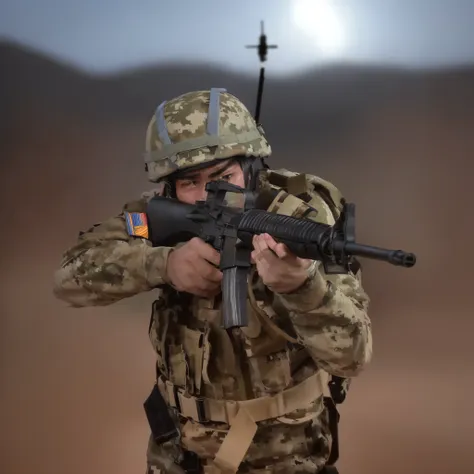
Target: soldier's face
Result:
[[192, 187]]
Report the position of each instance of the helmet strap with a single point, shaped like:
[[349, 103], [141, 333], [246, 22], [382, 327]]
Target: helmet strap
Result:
[[252, 168]]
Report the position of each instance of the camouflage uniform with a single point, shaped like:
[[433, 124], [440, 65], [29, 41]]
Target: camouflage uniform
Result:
[[248, 400]]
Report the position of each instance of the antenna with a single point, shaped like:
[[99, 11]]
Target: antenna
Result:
[[262, 50]]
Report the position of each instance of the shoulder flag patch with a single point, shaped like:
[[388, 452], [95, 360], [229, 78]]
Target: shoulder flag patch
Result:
[[137, 224]]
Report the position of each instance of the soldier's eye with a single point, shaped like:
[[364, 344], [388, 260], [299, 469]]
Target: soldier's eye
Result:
[[188, 183]]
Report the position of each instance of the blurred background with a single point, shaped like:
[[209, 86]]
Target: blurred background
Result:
[[377, 97]]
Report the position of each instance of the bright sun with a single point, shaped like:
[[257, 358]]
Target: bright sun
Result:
[[319, 20]]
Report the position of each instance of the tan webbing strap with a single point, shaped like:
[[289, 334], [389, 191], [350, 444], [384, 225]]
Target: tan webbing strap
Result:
[[264, 316], [326, 390], [236, 443], [276, 201], [264, 408], [243, 427], [242, 416]]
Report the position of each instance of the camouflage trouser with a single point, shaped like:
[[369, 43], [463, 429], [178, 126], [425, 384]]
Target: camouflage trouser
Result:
[[164, 460], [289, 448]]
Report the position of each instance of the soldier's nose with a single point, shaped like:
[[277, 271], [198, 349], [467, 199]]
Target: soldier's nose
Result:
[[202, 194]]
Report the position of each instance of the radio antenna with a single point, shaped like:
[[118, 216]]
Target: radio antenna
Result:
[[262, 50]]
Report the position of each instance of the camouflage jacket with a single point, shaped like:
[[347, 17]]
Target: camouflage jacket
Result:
[[204, 371]]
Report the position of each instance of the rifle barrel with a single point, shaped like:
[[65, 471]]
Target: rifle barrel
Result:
[[395, 257]]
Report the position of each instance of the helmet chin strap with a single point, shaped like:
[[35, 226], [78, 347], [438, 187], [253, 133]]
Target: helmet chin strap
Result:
[[251, 168]]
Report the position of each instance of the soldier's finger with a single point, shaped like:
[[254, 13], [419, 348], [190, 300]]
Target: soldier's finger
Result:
[[206, 271], [269, 240], [207, 252], [280, 249], [259, 243], [267, 259]]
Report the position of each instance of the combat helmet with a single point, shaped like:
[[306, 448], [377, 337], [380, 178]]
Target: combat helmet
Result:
[[200, 127]]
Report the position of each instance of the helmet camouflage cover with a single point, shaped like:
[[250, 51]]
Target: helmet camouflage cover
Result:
[[200, 127]]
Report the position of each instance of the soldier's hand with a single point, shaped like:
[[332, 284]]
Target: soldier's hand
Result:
[[280, 270], [192, 268]]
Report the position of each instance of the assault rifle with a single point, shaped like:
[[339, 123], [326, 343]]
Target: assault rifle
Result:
[[229, 227]]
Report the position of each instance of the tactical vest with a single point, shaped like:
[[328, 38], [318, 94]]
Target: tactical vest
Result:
[[199, 365]]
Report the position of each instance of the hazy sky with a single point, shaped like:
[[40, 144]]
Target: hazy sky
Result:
[[105, 35]]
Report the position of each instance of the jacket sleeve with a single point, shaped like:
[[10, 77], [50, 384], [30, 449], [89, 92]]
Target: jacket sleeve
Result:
[[106, 264], [330, 312], [330, 317]]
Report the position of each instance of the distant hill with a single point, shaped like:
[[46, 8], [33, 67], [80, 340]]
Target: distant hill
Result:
[[329, 102]]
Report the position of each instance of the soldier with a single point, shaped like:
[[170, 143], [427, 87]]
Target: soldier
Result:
[[255, 399]]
